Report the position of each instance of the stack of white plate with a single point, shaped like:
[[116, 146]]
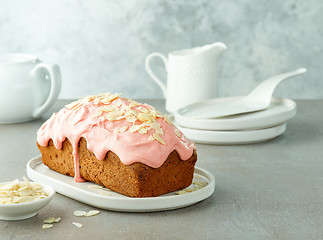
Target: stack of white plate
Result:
[[238, 129]]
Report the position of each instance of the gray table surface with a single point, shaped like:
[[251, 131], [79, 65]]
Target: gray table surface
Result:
[[269, 190]]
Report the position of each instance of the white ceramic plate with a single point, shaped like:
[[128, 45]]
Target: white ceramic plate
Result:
[[279, 111], [110, 200], [233, 137]]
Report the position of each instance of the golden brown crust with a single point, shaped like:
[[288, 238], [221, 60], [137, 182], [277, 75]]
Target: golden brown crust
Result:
[[135, 180]]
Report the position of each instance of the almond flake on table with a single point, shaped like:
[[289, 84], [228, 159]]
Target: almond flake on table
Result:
[[77, 224], [45, 226], [92, 213], [79, 213], [50, 220]]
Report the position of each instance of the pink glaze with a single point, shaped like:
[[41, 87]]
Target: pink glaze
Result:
[[131, 147]]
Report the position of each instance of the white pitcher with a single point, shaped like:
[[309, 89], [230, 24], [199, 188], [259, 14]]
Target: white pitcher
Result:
[[28, 87], [191, 75]]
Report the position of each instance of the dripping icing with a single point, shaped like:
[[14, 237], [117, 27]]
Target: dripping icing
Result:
[[148, 139]]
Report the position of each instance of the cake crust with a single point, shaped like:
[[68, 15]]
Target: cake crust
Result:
[[135, 180]]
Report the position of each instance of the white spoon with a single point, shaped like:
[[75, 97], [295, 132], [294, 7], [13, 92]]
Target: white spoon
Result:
[[258, 99]]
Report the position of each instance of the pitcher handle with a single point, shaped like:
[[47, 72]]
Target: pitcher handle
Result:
[[150, 72], [55, 78]]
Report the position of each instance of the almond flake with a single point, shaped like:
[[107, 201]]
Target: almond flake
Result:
[[188, 190], [153, 112], [87, 99], [79, 213], [50, 220], [159, 139], [45, 226], [131, 119], [37, 188], [96, 101], [167, 120], [77, 224], [120, 117], [98, 113], [120, 130], [57, 219], [134, 128], [142, 130], [118, 103], [155, 125], [10, 185], [127, 113], [123, 129], [6, 200], [134, 112], [24, 193], [144, 110], [132, 103], [159, 131], [117, 113], [95, 186], [27, 199], [92, 213], [178, 134], [26, 188], [181, 192], [16, 199], [199, 184], [107, 108], [106, 194], [105, 98], [145, 117], [151, 138], [111, 117]]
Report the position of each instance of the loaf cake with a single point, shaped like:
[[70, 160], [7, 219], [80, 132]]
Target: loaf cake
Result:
[[128, 147]]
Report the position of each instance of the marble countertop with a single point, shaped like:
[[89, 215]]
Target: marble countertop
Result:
[[269, 190]]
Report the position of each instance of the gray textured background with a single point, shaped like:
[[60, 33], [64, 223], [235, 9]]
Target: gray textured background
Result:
[[101, 45]]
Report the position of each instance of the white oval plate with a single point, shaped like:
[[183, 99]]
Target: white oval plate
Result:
[[106, 199], [279, 111], [233, 137]]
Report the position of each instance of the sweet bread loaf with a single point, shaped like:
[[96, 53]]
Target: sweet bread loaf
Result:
[[128, 147]]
